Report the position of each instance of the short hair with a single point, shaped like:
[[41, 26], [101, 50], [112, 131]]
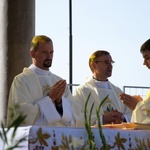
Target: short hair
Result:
[[145, 46], [95, 55], [39, 38]]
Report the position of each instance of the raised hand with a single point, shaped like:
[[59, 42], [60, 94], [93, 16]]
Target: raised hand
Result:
[[130, 101], [57, 90]]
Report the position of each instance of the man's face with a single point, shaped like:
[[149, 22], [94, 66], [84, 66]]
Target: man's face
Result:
[[146, 56], [43, 56], [103, 67]]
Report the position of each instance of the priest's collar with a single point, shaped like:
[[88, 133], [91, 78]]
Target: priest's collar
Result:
[[39, 71], [99, 80], [102, 84]]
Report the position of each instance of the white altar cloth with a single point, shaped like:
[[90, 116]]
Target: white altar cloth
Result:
[[67, 138]]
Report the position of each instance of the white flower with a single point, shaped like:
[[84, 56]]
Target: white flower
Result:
[[77, 143]]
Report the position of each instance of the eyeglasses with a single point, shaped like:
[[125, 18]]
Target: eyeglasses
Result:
[[106, 62]]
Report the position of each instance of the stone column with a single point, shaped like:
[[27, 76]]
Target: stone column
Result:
[[17, 27]]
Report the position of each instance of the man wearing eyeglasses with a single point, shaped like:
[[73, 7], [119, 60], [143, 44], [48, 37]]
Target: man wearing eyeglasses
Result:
[[113, 110], [140, 107]]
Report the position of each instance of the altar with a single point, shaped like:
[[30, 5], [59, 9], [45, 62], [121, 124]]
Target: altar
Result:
[[72, 138]]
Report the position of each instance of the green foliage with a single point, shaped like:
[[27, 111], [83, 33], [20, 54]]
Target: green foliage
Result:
[[10, 143], [91, 140], [87, 122], [105, 146]]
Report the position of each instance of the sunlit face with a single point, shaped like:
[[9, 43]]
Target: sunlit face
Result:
[[43, 56], [103, 67], [146, 56]]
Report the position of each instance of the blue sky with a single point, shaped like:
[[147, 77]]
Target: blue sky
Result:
[[118, 26]]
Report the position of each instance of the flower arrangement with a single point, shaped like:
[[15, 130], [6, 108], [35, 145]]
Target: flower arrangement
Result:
[[91, 140]]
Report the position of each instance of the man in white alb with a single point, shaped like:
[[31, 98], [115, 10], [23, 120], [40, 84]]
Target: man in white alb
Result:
[[41, 95], [113, 110], [140, 107]]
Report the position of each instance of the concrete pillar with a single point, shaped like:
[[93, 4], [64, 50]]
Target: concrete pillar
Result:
[[17, 27]]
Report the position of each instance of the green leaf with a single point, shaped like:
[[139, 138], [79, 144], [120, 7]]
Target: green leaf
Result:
[[13, 126], [99, 124], [87, 123]]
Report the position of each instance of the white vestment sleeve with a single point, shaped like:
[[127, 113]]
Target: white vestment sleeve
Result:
[[141, 113], [67, 118], [48, 110], [25, 97]]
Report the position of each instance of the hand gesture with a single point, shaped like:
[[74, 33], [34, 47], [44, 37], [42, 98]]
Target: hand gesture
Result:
[[57, 91], [115, 117], [130, 101]]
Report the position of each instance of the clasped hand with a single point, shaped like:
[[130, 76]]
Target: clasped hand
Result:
[[57, 91], [115, 117]]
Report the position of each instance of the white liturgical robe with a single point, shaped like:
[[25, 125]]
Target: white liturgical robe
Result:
[[29, 90], [141, 113], [98, 90]]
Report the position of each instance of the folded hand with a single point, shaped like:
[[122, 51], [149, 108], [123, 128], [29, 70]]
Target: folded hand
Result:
[[57, 91]]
